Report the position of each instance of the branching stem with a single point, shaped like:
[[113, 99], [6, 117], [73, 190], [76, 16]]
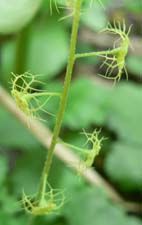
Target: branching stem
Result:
[[100, 53], [71, 60], [33, 95]]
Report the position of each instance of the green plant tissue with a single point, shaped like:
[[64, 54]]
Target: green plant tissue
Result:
[[14, 15]]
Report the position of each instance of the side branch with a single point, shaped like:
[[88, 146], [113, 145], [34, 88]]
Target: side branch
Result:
[[100, 53], [63, 153]]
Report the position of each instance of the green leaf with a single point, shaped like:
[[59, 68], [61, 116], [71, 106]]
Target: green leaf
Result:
[[8, 58], [53, 104], [43, 47], [3, 168], [126, 113], [87, 103], [17, 14], [95, 17], [13, 134], [133, 6], [28, 170], [50, 220], [123, 166], [7, 219], [48, 48], [9, 203], [134, 64], [67, 181], [91, 206]]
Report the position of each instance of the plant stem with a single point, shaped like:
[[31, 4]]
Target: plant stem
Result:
[[100, 53], [41, 133], [81, 150], [47, 166], [33, 95]]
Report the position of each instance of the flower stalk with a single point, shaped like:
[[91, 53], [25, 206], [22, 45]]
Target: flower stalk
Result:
[[71, 60]]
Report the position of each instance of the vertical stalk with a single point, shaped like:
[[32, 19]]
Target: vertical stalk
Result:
[[46, 169]]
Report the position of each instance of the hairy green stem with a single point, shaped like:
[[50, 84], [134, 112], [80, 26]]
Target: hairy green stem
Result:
[[100, 53], [47, 166], [33, 95], [81, 150]]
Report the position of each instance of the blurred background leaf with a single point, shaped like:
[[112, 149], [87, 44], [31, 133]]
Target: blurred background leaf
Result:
[[13, 134], [3, 166], [17, 15], [123, 166], [126, 112], [48, 45]]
